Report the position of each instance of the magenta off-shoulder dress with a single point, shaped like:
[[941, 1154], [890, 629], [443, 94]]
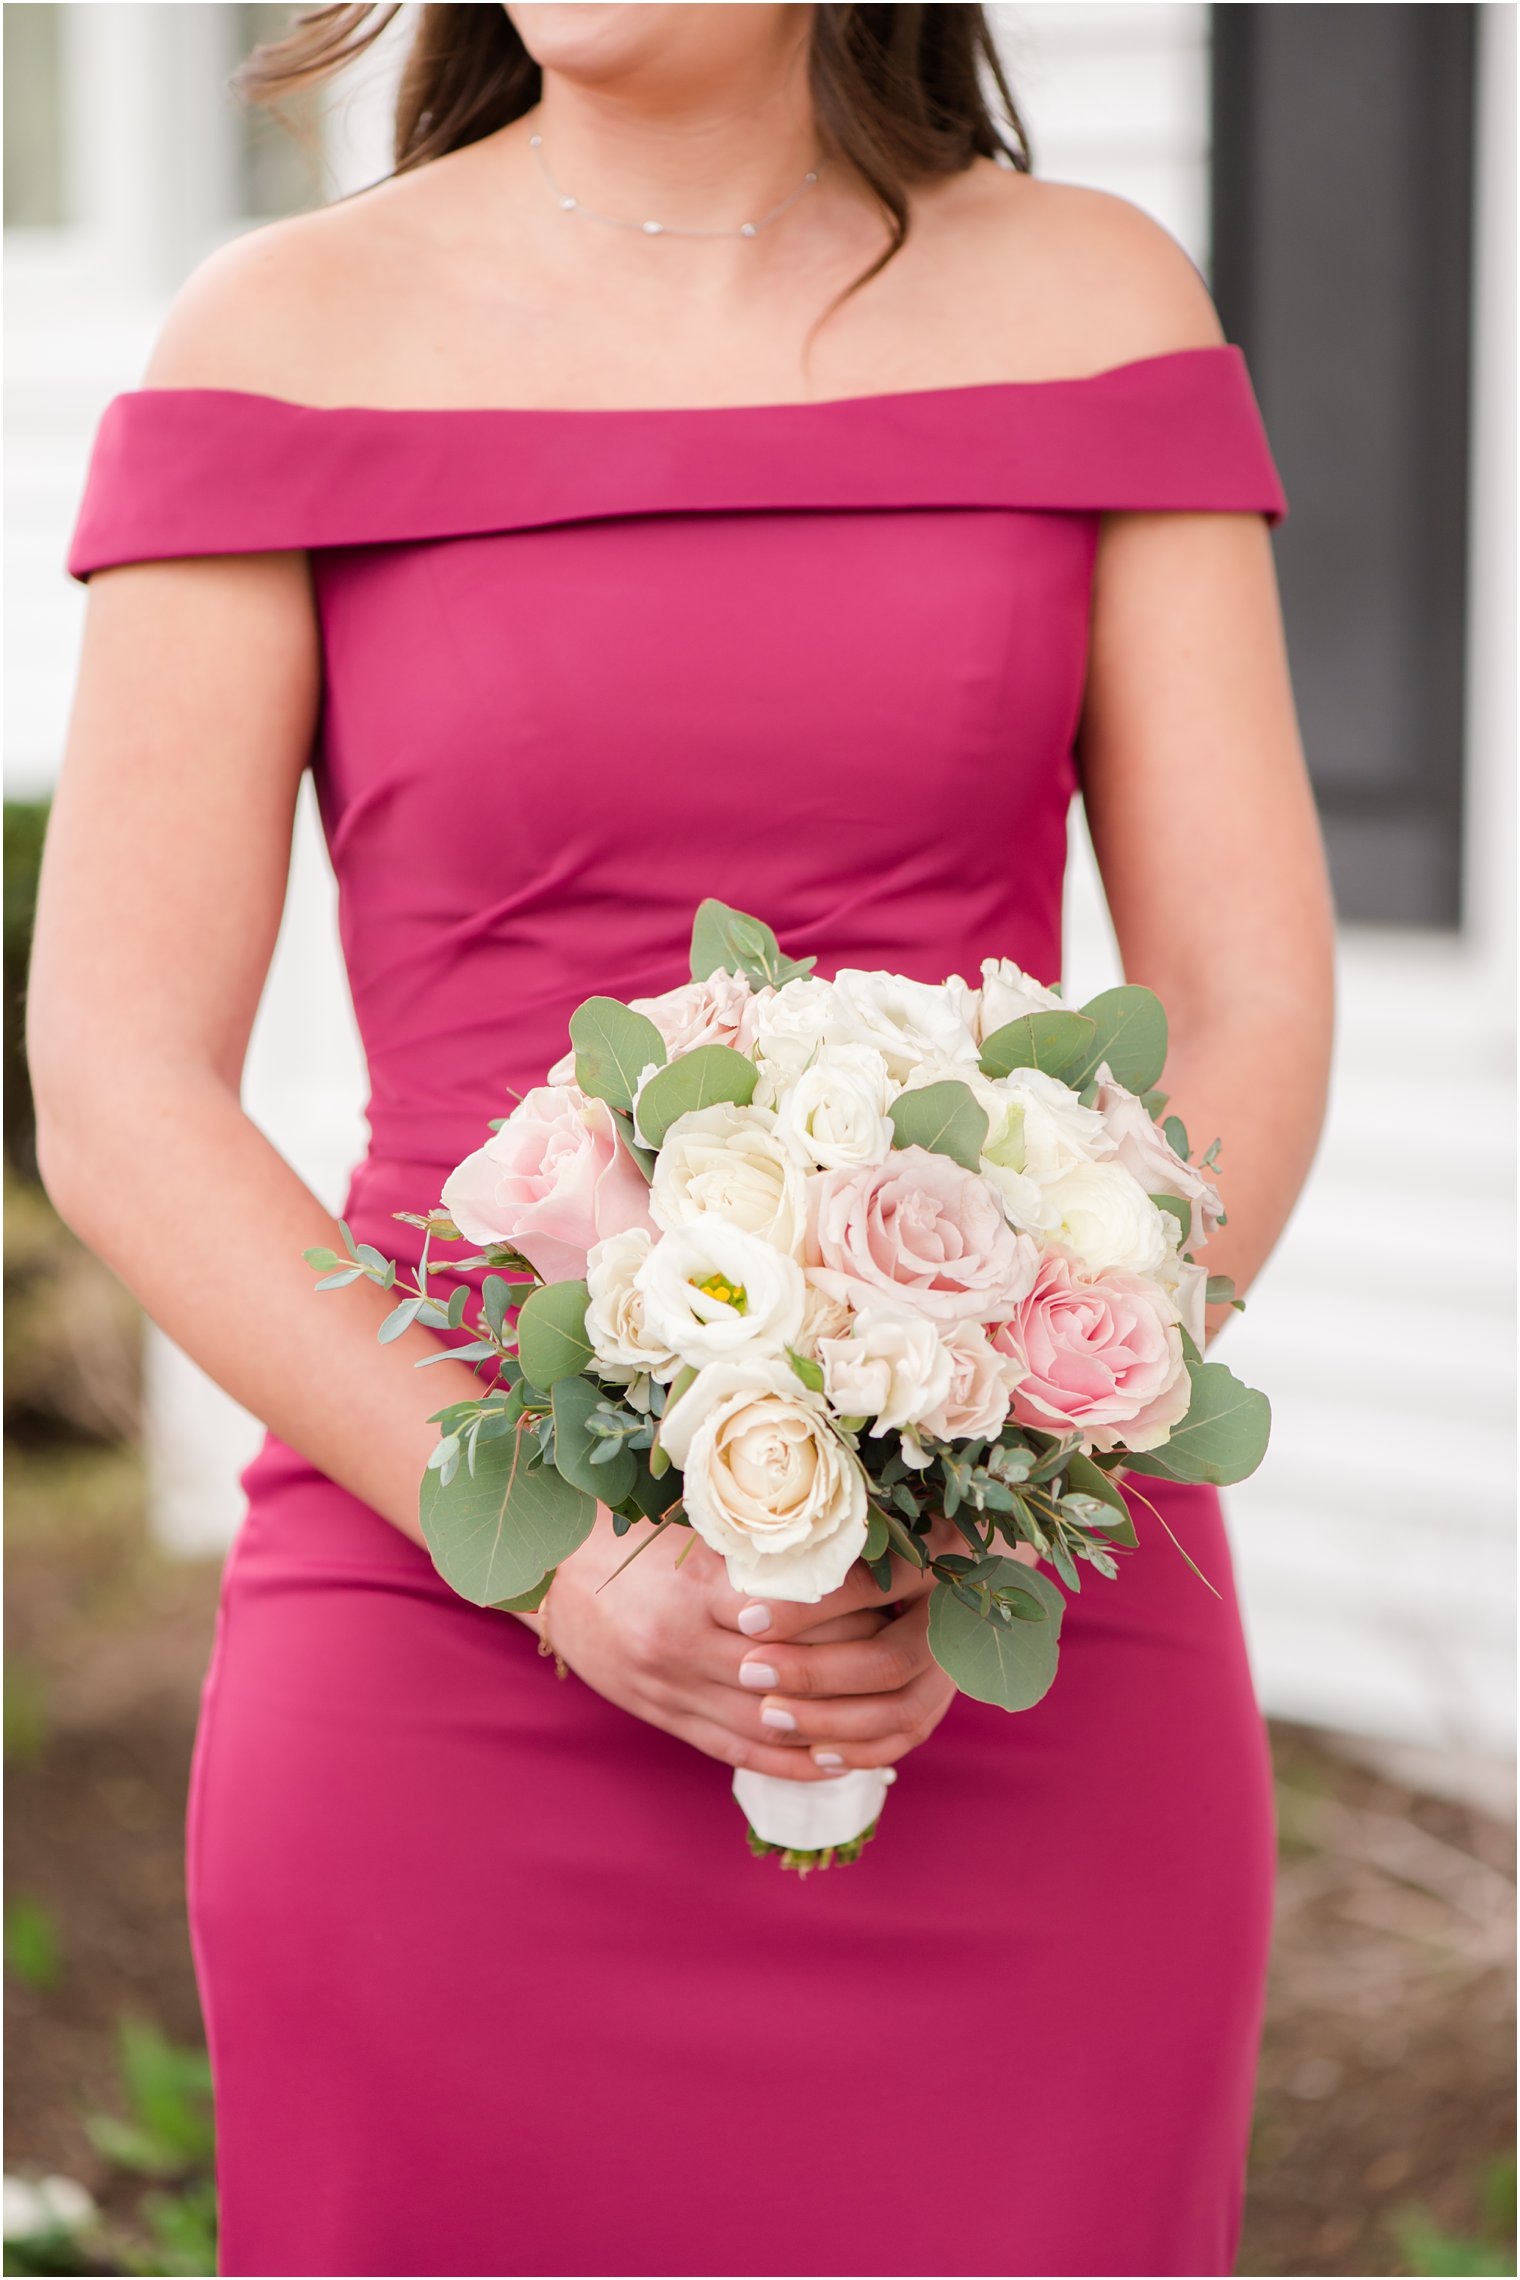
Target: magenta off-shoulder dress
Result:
[[492, 1983]]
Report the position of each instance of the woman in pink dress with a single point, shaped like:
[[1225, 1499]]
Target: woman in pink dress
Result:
[[707, 466]]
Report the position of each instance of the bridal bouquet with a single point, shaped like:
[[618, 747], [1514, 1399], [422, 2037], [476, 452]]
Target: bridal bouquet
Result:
[[807, 1265]]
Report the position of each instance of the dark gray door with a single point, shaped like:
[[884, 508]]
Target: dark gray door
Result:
[[1342, 191]]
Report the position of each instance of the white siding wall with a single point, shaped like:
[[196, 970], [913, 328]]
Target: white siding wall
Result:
[[1377, 1589]]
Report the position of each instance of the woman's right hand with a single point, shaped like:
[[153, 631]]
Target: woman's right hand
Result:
[[667, 1642]]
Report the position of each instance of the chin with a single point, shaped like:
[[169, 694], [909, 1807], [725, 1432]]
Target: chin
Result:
[[590, 41]]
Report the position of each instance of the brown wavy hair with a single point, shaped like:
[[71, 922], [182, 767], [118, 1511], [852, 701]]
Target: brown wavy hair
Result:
[[900, 93]]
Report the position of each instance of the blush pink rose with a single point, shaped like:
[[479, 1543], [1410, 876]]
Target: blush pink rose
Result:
[[722, 1010], [554, 1180], [1101, 1357], [920, 1230]]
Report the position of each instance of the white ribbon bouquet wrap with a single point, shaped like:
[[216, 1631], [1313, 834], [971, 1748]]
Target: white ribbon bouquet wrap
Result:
[[830, 1271]]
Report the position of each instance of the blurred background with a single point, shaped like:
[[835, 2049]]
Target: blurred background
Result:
[[1344, 177]]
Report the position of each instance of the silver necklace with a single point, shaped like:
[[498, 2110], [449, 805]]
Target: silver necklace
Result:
[[569, 205]]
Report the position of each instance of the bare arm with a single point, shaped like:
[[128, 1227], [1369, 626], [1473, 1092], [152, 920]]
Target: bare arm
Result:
[[162, 885], [1207, 839]]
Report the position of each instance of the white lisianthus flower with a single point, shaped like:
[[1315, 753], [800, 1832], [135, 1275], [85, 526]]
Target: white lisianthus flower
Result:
[[713, 1291], [732, 1161], [1102, 1215], [835, 1114], [1008, 993], [625, 1352], [892, 1367], [766, 1480], [1143, 1148], [791, 1025], [1186, 1285], [913, 1025], [975, 1405]]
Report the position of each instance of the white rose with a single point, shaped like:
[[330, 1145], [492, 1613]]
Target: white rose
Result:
[[836, 1111], [1143, 1148], [792, 1024], [893, 1367], [1008, 993], [766, 1480], [713, 1291], [913, 1025], [1037, 1130], [975, 1406], [1102, 1214], [625, 1352], [731, 1161]]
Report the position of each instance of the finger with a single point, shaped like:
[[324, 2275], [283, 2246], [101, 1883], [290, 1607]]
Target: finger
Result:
[[880, 1665], [758, 1617], [842, 1755], [744, 1752], [854, 1717]]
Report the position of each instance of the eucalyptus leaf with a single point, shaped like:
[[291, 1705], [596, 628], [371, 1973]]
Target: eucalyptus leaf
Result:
[[877, 1542], [1053, 1042], [699, 1079], [528, 1602], [337, 1281], [1130, 1035], [730, 941], [399, 1319], [1175, 1132], [945, 1118], [1088, 1479], [613, 1047], [497, 1295], [1223, 1437], [576, 1447], [1010, 1664], [551, 1334], [495, 1533]]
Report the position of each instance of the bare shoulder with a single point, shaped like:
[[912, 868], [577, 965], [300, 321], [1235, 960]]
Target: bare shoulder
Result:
[[1080, 279], [299, 308]]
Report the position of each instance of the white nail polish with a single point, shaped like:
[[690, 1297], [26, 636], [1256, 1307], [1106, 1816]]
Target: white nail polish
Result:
[[759, 1677], [830, 1760], [779, 1721], [753, 1620]]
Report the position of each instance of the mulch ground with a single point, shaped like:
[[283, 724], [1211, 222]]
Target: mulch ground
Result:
[[1387, 2085]]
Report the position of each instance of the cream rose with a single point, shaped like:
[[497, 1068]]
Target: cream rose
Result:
[[823, 1316], [975, 1403], [625, 1352], [891, 1367], [913, 1025], [713, 1291], [1102, 1214], [1143, 1149], [766, 1480], [835, 1114], [732, 1161]]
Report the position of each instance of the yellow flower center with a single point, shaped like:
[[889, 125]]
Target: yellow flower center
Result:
[[726, 1293]]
